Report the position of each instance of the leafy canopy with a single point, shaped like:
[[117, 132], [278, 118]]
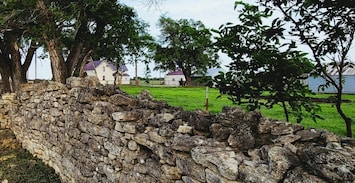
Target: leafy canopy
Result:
[[327, 28], [186, 45], [263, 71]]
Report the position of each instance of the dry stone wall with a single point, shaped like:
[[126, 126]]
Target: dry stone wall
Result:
[[88, 133]]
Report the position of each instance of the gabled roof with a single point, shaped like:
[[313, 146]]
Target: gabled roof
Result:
[[175, 73], [93, 64], [123, 68]]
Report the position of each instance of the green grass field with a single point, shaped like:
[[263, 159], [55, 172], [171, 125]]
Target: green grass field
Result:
[[191, 98]]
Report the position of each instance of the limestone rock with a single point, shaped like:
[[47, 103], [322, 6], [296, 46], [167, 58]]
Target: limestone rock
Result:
[[219, 160], [112, 148], [309, 134], [220, 132], [155, 137], [186, 143], [55, 112], [88, 81], [256, 173], [281, 160], [286, 139], [122, 100], [125, 127], [135, 177], [145, 95], [230, 116], [299, 175], [187, 179], [126, 116], [198, 119], [284, 129], [184, 129], [187, 166], [215, 177], [132, 145], [242, 138], [170, 172], [341, 168]]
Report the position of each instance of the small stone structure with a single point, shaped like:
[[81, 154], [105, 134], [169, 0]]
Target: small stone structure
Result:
[[90, 133]]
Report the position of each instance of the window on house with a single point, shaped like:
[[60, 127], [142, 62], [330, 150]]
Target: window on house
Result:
[[103, 69], [103, 78]]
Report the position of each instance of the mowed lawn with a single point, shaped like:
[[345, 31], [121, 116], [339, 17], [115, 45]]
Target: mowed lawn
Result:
[[192, 98]]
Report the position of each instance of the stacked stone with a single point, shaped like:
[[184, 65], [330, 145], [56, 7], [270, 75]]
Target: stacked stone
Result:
[[91, 133], [7, 104]]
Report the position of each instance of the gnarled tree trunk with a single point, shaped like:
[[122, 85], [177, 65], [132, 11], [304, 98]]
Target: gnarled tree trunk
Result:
[[28, 60], [83, 62], [15, 64], [5, 70], [59, 69]]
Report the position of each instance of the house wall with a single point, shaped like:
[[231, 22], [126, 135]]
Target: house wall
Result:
[[91, 73], [105, 73], [173, 80], [126, 80], [349, 85]]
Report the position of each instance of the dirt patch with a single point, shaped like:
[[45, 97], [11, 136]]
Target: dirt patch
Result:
[[18, 165]]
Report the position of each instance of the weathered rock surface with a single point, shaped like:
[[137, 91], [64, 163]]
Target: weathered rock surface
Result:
[[91, 133]]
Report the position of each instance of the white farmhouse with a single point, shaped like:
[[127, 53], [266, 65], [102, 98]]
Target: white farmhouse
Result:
[[105, 72], [174, 78], [177, 78]]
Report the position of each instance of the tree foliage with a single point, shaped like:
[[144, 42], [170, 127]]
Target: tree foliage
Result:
[[72, 31], [263, 71], [101, 29], [186, 45], [14, 40], [327, 28]]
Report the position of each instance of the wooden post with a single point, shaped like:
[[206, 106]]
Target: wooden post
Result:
[[206, 98]]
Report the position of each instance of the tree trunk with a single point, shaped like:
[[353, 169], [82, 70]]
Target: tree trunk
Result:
[[5, 70], [31, 51], [346, 119], [348, 122], [59, 69], [83, 62], [186, 70], [285, 110], [77, 54], [74, 57], [188, 81], [15, 65]]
